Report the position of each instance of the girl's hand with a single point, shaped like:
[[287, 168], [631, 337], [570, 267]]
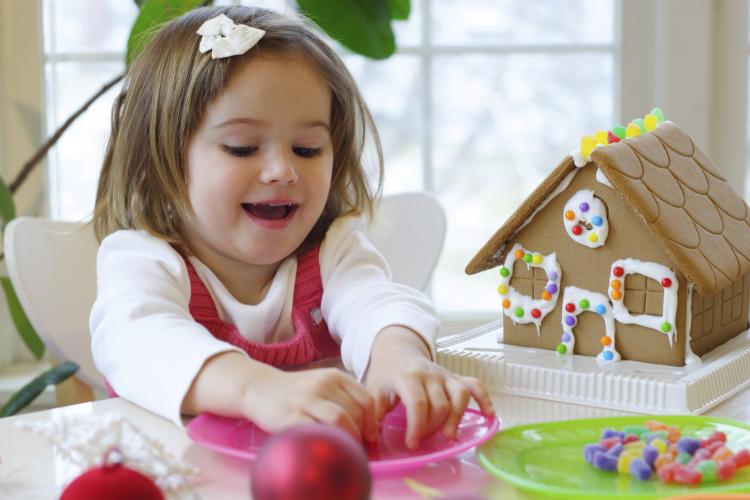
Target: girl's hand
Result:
[[434, 398], [278, 399]]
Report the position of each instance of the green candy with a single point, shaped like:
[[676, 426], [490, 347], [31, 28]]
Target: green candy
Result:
[[638, 430], [666, 327], [518, 312], [504, 272], [527, 258], [561, 349], [641, 124], [683, 458], [619, 131], [584, 303], [658, 114], [708, 469]]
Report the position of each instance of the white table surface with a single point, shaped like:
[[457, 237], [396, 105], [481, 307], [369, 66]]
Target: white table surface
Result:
[[30, 468]]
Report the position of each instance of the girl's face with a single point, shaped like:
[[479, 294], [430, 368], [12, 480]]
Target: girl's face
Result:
[[259, 166]]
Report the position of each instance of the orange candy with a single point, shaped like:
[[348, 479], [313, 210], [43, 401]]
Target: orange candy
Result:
[[570, 215], [616, 295], [605, 340], [506, 303], [655, 425], [546, 295], [519, 254], [616, 284]]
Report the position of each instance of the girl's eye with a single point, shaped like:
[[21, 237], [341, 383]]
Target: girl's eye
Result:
[[306, 152], [240, 151]]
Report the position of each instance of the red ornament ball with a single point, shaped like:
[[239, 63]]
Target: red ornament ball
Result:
[[311, 462], [113, 482]]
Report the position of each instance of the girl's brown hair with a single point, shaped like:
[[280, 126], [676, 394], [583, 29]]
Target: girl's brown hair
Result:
[[142, 183]]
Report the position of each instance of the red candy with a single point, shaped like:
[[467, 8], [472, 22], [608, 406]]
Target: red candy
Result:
[[610, 442], [618, 271], [726, 469], [718, 436], [741, 458], [666, 282], [612, 137], [630, 438], [536, 313], [686, 475], [577, 230], [570, 307]]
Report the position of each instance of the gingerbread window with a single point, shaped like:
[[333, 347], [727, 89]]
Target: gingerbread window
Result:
[[533, 294], [638, 274]]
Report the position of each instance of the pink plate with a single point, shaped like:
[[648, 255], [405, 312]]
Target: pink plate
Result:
[[241, 438]]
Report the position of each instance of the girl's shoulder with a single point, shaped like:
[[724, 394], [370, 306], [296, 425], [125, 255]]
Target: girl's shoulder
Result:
[[134, 249]]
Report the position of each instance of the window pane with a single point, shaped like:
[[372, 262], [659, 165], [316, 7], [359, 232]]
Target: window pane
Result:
[[89, 25], [76, 159], [409, 32], [501, 124], [521, 22], [392, 90]]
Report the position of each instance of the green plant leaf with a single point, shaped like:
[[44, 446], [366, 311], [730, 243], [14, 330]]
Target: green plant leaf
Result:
[[30, 391], [7, 205], [153, 15], [399, 9], [27, 332], [363, 26]]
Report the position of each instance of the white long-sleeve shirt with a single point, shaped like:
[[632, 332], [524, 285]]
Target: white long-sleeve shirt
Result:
[[149, 347]]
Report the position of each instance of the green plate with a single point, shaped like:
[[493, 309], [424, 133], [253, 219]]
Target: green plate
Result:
[[547, 459]]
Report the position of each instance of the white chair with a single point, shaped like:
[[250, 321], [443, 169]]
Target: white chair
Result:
[[52, 266]]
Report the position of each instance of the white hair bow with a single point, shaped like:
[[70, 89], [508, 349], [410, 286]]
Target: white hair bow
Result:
[[224, 38]]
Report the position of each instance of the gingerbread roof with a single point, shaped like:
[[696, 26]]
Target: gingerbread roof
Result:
[[682, 197]]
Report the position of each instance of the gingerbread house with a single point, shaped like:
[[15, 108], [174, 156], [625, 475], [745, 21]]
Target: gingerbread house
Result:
[[635, 247]]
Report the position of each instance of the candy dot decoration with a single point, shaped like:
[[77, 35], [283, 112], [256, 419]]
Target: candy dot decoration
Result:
[[581, 228], [584, 298], [521, 308], [657, 272], [684, 460]]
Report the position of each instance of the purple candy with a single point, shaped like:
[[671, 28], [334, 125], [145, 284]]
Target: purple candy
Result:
[[605, 461], [552, 288], [616, 450], [639, 469], [566, 337], [649, 454], [570, 320], [552, 276], [688, 445], [584, 207], [608, 433], [590, 451]]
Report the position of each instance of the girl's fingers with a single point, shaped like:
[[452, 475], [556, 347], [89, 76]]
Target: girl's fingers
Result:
[[366, 406], [459, 395], [415, 400], [439, 405], [480, 394], [328, 412]]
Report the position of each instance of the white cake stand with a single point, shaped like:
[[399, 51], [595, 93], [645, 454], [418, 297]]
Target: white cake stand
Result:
[[625, 385]]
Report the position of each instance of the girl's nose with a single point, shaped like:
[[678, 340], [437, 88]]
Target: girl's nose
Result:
[[278, 168]]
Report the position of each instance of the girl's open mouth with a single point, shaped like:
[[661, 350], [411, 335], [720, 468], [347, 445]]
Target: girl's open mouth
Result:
[[271, 214]]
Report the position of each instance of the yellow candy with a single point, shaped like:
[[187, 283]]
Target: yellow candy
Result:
[[536, 259], [650, 121], [623, 463], [593, 238], [502, 289], [600, 136], [587, 146], [633, 130], [660, 445]]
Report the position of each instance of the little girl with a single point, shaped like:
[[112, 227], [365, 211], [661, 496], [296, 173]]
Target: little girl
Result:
[[232, 249]]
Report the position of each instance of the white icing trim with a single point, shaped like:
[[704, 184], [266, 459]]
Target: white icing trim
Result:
[[598, 304], [690, 357], [525, 304], [656, 272], [586, 210], [600, 177]]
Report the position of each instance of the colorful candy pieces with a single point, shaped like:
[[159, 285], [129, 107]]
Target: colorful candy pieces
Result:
[[643, 451], [635, 128]]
